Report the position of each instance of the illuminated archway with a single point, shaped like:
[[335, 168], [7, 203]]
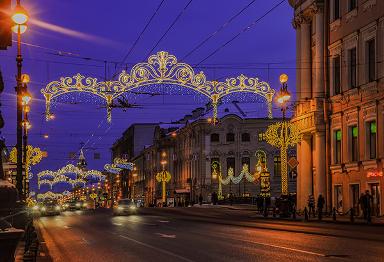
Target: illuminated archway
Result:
[[161, 68]]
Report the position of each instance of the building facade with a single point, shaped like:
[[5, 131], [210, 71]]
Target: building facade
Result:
[[340, 108], [191, 150]]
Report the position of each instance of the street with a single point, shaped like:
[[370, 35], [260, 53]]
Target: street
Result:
[[169, 235]]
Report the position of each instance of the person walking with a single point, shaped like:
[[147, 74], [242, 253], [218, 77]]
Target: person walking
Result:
[[311, 205], [320, 206], [367, 202], [200, 199]]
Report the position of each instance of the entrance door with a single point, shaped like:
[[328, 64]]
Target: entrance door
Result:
[[375, 192], [338, 204], [354, 197]]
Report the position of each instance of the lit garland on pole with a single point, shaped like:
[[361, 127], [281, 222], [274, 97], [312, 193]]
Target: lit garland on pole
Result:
[[49, 195], [161, 68], [163, 177], [282, 135]]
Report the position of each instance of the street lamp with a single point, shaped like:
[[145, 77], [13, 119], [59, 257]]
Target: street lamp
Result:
[[283, 134], [20, 18], [26, 99]]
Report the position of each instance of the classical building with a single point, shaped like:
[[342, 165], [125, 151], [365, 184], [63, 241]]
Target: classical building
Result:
[[340, 100], [192, 147]]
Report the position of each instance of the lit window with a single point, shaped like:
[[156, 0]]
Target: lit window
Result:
[[337, 146], [354, 143], [261, 137], [372, 139]]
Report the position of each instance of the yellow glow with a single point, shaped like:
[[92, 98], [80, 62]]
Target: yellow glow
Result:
[[46, 136], [134, 174], [52, 116], [283, 97], [23, 28], [163, 154], [163, 162], [283, 78], [25, 78], [27, 108], [20, 15]]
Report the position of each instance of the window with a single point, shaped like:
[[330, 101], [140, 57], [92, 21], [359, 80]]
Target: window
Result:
[[215, 167], [352, 67], [261, 137], [351, 5], [245, 137], [337, 146], [336, 9], [246, 161], [230, 137], [336, 75], [371, 60], [354, 143], [338, 198], [230, 163], [372, 139], [215, 137], [276, 166]]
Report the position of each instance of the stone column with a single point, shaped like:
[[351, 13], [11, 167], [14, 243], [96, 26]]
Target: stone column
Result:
[[305, 45], [319, 163], [296, 25], [305, 171], [298, 179], [318, 90]]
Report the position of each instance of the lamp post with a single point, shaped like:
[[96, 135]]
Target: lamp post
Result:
[[26, 98], [20, 18], [163, 177], [283, 134]]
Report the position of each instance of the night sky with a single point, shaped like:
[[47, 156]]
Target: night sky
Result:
[[77, 36]]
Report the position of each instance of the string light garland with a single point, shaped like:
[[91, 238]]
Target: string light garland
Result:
[[283, 135], [161, 68], [163, 177]]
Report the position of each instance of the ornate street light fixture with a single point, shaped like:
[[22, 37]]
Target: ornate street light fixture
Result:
[[20, 18], [283, 134]]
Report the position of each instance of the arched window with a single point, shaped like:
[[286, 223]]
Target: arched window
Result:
[[215, 137], [230, 137], [245, 137]]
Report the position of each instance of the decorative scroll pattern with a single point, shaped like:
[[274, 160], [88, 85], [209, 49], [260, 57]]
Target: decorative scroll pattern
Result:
[[161, 68]]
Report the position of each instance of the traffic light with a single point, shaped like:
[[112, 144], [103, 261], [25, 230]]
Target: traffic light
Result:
[[5, 24]]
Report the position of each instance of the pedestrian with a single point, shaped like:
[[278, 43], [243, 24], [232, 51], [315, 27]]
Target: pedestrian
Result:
[[362, 205], [200, 199], [311, 205], [320, 206], [367, 202]]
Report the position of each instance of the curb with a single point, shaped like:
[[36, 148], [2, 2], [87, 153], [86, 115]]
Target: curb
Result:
[[43, 255]]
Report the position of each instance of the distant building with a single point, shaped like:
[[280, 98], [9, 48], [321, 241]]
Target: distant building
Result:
[[340, 108], [190, 150]]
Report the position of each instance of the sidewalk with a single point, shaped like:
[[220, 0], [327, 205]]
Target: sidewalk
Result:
[[327, 219]]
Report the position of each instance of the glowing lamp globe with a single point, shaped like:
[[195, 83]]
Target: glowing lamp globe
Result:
[[25, 78], [283, 78], [26, 98], [22, 29], [20, 15]]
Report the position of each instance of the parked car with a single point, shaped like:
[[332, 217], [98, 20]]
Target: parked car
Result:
[[125, 207]]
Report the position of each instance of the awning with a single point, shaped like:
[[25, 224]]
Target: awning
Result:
[[182, 191]]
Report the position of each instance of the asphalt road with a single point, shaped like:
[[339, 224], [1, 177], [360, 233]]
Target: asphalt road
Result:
[[169, 235]]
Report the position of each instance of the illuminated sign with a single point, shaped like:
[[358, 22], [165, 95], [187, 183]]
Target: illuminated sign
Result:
[[374, 174]]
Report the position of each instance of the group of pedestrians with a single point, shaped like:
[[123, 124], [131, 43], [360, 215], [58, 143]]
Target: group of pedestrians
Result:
[[365, 202], [320, 206]]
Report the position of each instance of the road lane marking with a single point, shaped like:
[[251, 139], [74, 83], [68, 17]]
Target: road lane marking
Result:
[[163, 221], [165, 235], [117, 224], [157, 249], [281, 247]]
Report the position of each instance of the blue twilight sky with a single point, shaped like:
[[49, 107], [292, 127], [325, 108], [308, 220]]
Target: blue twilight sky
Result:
[[91, 32]]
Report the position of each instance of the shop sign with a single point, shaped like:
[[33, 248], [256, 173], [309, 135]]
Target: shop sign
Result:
[[374, 174]]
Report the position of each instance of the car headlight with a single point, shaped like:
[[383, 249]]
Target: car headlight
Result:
[[43, 208], [57, 207], [85, 205], [35, 208], [119, 208], [77, 204], [132, 207]]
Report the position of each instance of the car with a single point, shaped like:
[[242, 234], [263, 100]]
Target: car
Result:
[[50, 208], [125, 207], [72, 205]]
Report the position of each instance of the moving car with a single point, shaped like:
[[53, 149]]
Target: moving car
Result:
[[50, 208], [72, 205], [125, 207]]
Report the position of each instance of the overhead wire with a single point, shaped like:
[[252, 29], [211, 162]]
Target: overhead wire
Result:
[[170, 27], [218, 30], [242, 31]]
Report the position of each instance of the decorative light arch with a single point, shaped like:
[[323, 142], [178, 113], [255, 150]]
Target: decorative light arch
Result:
[[161, 68]]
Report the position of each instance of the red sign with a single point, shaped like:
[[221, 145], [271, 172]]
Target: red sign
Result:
[[374, 174]]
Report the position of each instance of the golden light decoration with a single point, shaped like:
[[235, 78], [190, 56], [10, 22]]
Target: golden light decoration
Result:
[[50, 195], [161, 68], [283, 135], [216, 173], [163, 177], [34, 156]]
